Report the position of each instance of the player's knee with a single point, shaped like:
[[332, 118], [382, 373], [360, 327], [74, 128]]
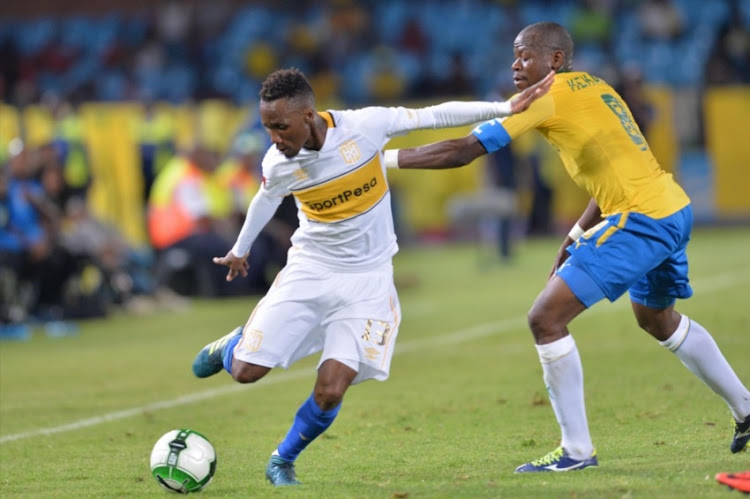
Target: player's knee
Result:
[[329, 396], [242, 372], [544, 325], [660, 324], [658, 329], [328, 400], [538, 319], [645, 323]]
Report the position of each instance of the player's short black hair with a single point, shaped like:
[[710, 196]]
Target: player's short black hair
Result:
[[551, 36], [286, 84]]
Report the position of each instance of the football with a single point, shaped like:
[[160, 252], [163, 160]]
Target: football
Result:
[[183, 461]]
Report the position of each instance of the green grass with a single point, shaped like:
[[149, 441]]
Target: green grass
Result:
[[465, 403]]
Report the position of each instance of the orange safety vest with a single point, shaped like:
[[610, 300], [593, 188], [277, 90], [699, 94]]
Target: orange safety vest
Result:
[[168, 220], [235, 180]]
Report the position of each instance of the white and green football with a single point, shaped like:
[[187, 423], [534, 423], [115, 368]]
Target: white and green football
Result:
[[183, 461]]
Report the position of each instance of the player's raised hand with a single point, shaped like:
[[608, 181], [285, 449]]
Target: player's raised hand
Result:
[[237, 265], [522, 101]]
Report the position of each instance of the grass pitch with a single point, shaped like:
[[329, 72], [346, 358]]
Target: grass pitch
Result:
[[464, 406]]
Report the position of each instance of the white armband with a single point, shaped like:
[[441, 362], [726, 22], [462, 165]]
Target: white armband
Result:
[[390, 158], [576, 232]]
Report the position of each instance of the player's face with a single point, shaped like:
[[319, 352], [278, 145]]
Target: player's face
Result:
[[532, 63], [287, 123]]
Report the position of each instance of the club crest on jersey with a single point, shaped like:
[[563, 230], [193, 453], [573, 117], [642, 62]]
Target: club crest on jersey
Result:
[[300, 174], [350, 152]]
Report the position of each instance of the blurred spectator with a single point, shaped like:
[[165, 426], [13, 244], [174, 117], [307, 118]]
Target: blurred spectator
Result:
[[413, 38], [349, 29], [383, 79], [21, 235], [457, 81], [491, 210], [184, 229], [52, 177], [240, 175], [631, 89], [660, 20], [488, 214], [70, 145], [173, 22], [44, 264], [10, 62], [501, 172], [536, 161], [592, 21], [121, 271], [55, 57], [260, 60], [154, 133], [729, 62]]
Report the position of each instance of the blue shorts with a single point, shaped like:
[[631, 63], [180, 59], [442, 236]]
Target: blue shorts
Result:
[[631, 251]]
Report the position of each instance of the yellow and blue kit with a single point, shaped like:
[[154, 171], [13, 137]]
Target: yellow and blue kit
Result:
[[640, 244]]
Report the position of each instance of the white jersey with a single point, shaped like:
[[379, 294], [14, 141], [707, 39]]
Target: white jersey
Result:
[[341, 191]]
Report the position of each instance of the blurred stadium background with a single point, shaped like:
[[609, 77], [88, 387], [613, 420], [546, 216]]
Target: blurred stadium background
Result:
[[106, 92]]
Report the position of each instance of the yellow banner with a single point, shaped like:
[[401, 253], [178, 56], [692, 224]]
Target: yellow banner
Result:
[[727, 115]]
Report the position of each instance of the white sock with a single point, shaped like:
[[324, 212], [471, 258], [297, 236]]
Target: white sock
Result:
[[695, 347], [563, 375]]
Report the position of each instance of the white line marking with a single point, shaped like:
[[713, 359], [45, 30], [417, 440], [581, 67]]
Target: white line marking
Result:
[[711, 284]]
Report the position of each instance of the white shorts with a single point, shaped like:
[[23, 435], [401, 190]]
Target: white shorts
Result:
[[353, 317]]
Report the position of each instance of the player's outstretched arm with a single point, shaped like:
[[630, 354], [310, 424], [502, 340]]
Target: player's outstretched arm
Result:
[[522, 101], [445, 154], [459, 152], [260, 211], [457, 113]]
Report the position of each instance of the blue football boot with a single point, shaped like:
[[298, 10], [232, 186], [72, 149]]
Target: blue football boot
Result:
[[210, 360], [280, 472], [558, 460]]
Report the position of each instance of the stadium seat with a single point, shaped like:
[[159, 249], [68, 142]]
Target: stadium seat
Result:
[[179, 83], [111, 85], [35, 35]]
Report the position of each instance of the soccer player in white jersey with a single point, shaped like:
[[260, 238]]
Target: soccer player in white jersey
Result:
[[336, 293]]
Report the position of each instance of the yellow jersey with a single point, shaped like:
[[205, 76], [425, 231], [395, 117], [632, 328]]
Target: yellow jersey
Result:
[[599, 143]]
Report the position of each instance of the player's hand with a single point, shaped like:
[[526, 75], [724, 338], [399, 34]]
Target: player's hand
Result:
[[236, 265], [522, 101], [561, 256]]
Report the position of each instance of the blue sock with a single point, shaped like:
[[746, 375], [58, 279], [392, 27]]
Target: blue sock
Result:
[[229, 352], [309, 422]]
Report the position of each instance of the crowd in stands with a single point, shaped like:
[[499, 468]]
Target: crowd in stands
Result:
[[359, 51], [58, 262]]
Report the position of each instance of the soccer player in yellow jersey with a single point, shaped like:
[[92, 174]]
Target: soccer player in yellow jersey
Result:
[[631, 237]]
